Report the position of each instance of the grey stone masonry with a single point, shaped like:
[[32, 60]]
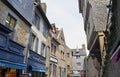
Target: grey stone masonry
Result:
[[99, 13]]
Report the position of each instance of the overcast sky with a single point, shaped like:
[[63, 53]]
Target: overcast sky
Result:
[[65, 14]]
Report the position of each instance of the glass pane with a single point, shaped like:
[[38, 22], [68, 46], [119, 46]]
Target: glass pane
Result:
[[12, 24], [7, 20]]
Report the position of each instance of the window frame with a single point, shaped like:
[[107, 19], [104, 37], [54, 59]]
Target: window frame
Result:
[[33, 37], [45, 30], [68, 55], [43, 48], [8, 23], [37, 21]]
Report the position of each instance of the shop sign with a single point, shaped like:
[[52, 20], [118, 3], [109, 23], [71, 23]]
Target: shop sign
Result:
[[2, 40], [38, 59], [53, 59]]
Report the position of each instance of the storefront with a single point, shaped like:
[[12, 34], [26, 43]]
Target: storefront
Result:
[[53, 66], [62, 72], [11, 55], [36, 65]]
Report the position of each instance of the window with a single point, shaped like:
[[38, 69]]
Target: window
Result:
[[62, 55], [54, 70], [37, 21], [10, 22], [68, 55], [62, 72], [36, 46], [68, 67], [53, 48], [72, 53], [43, 49], [33, 40], [77, 52], [88, 27], [45, 30], [78, 64], [78, 56], [50, 68]]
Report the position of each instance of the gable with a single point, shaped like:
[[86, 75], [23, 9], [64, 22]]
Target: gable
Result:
[[61, 37]]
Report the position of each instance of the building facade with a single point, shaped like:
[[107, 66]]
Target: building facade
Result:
[[95, 19], [25, 30], [39, 46], [53, 59], [112, 63], [62, 68], [13, 27], [69, 61], [78, 61], [59, 59]]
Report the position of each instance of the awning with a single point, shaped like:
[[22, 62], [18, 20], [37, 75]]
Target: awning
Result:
[[39, 69], [8, 64]]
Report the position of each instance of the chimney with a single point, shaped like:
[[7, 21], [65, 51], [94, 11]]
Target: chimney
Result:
[[43, 6]]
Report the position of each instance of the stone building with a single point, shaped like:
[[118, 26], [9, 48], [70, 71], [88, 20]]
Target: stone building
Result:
[[14, 38], [39, 45], [59, 59], [52, 59], [62, 67], [95, 18], [30, 30], [69, 61], [78, 56], [111, 68]]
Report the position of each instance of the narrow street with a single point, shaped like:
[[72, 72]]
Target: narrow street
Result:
[[59, 38]]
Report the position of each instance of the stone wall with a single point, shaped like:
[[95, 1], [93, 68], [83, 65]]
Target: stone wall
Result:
[[99, 13], [21, 31]]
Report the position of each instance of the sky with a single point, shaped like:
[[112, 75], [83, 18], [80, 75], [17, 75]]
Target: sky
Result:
[[65, 14]]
